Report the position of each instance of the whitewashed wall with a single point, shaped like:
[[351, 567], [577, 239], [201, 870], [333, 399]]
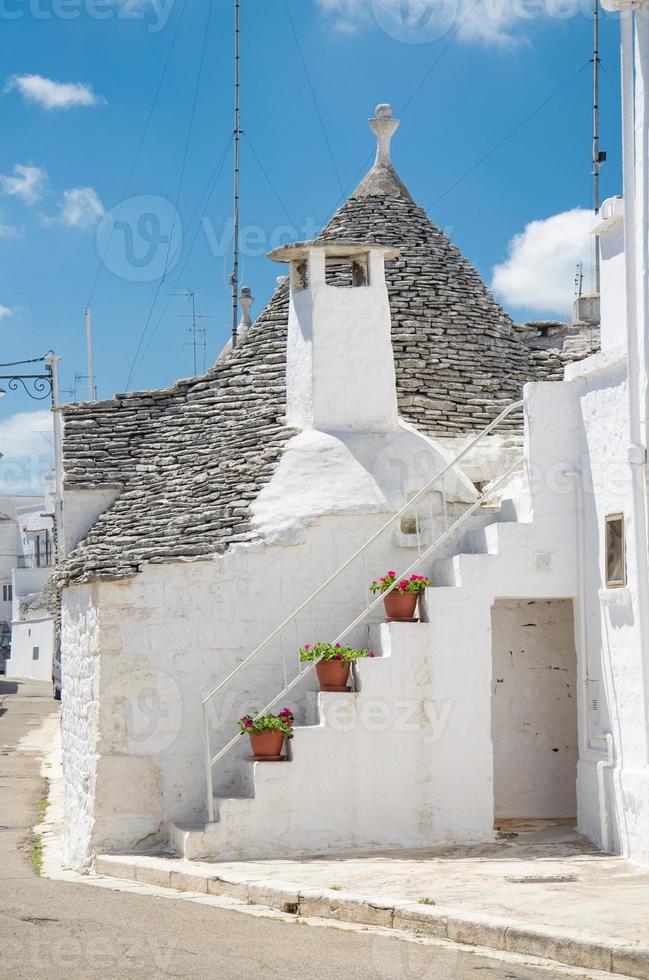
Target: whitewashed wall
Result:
[[79, 719], [534, 708], [612, 666], [32, 650]]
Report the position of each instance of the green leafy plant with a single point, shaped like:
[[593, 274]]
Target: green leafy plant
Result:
[[415, 584], [255, 724], [332, 651]]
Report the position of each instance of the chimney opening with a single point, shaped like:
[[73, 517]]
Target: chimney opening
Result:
[[300, 275], [347, 272]]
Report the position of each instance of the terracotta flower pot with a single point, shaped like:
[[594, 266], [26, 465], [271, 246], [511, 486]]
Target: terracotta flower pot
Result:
[[267, 744], [333, 674], [400, 605]]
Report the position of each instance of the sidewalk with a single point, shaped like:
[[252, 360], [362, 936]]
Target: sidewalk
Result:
[[542, 890]]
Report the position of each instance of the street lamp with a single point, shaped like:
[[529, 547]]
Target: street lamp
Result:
[[39, 387]]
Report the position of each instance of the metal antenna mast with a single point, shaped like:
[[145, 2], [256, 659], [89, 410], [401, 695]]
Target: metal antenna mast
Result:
[[237, 134], [598, 157]]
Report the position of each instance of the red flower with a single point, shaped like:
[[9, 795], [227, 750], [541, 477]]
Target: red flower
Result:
[[392, 575], [403, 585], [371, 653]]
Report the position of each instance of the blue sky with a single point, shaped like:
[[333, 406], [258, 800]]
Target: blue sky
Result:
[[74, 147]]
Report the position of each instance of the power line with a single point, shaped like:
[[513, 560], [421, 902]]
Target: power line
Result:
[[30, 360], [202, 201], [314, 96], [410, 98], [508, 135], [190, 128], [270, 182], [137, 152], [213, 179]]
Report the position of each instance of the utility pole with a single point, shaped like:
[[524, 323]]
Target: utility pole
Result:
[[234, 280], [52, 366], [598, 157], [195, 329], [91, 380]]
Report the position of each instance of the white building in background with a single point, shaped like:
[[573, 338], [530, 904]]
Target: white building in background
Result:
[[15, 512], [251, 508], [26, 562]]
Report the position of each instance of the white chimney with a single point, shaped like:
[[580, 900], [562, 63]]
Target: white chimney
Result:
[[340, 367]]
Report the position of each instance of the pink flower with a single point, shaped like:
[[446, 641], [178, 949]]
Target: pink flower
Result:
[[307, 646], [392, 575], [403, 585], [339, 656], [371, 653]]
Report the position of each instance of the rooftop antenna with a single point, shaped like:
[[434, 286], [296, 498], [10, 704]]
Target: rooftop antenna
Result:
[[195, 329], [599, 156], [579, 279], [234, 279]]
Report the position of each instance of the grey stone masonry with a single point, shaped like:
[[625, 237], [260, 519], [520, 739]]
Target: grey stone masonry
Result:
[[189, 460]]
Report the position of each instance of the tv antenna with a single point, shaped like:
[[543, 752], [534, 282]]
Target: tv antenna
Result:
[[198, 340], [599, 156], [234, 278], [579, 279]]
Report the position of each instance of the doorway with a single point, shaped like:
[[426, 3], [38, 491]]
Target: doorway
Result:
[[534, 710]]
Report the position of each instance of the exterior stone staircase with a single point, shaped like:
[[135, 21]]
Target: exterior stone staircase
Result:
[[406, 759], [385, 766]]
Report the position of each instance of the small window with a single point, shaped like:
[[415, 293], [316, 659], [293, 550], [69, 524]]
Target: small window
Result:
[[615, 552], [35, 653], [7, 593]]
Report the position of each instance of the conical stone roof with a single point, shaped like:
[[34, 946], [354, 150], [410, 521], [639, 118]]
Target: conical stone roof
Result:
[[187, 462]]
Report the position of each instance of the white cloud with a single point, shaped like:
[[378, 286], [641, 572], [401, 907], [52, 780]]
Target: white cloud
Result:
[[81, 208], [496, 22], [25, 451], [9, 231], [52, 95], [5, 311], [539, 271], [27, 183]]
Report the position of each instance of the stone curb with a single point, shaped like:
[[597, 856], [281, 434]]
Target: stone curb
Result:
[[438, 922]]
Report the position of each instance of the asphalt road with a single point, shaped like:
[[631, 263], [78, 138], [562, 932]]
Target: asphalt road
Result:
[[62, 931]]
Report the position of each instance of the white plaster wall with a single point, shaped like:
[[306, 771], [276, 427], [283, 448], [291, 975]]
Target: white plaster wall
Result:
[[340, 365], [80, 671], [613, 644], [166, 638], [25, 636], [9, 549], [353, 473], [534, 709], [613, 286], [371, 770]]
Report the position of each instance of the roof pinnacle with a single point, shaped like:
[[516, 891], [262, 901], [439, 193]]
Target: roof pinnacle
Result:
[[384, 126]]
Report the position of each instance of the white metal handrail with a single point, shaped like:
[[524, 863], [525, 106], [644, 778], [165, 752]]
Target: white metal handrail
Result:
[[211, 760]]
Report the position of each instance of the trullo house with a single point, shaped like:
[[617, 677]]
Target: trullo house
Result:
[[371, 419]]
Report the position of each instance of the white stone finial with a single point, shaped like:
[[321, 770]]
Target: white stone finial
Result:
[[246, 299], [384, 126]]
